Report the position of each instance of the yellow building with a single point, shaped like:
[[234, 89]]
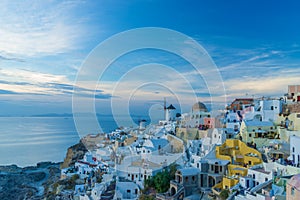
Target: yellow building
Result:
[[238, 153], [241, 157]]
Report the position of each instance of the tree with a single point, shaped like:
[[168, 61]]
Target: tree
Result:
[[146, 197], [161, 181], [224, 194]]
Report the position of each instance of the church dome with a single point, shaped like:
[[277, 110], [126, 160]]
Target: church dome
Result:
[[199, 107]]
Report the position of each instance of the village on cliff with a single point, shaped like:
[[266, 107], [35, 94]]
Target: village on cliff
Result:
[[250, 150]]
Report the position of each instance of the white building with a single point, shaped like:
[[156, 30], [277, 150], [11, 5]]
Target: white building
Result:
[[256, 176], [264, 110], [154, 146], [295, 150], [97, 190], [196, 118], [233, 120], [217, 136], [103, 154], [126, 190], [170, 113]]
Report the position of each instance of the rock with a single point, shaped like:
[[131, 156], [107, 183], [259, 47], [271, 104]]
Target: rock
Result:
[[27, 182], [44, 164], [74, 153]]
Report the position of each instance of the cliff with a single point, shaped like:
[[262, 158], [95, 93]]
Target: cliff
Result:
[[28, 182], [74, 153]]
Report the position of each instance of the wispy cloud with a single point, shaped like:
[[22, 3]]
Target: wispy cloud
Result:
[[36, 83], [37, 28], [10, 58]]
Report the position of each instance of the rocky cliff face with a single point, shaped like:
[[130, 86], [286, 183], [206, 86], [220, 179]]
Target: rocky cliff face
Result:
[[27, 182], [74, 153]]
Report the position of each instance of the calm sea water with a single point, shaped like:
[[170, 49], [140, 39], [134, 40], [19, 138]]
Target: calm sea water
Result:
[[27, 140]]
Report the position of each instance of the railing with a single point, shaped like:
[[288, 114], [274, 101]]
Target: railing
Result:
[[168, 196], [217, 189]]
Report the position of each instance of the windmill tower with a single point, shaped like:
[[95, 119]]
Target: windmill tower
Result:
[[170, 110]]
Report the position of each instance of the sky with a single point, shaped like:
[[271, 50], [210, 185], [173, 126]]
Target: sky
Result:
[[255, 46]]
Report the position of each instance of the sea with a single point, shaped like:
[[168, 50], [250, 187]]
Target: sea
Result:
[[25, 141]]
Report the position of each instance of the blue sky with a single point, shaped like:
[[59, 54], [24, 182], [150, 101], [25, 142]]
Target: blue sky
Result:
[[255, 45]]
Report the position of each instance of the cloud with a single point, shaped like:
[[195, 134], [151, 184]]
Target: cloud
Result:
[[7, 92], [37, 28], [37, 83], [11, 59], [265, 86]]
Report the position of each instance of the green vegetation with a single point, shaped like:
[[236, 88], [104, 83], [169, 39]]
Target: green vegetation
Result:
[[146, 197], [224, 194], [74, 177], [161, 181]]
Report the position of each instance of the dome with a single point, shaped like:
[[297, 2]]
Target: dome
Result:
[[199, 107]]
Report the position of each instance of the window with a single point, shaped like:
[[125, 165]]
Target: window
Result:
[[128, 191], [298, 115], [266, 179], [253, 176], [193, 178], [212, 167], [250, 163], [272, 107], [247, 183], [293, 149], [250, 135], [220, 168], [292, 191], [128, 175], [136, 191]]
